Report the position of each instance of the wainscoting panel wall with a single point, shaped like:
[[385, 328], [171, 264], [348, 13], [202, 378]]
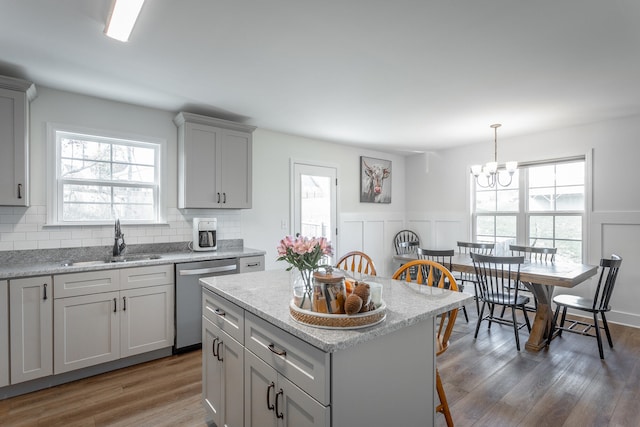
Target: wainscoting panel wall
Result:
[[372, 234]]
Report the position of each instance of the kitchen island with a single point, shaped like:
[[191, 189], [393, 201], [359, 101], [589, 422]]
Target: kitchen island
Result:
[[260, 365]]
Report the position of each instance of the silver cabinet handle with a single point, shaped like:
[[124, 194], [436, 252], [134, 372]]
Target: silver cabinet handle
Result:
[[199, 271], [19, 191], [218, 198], [224, 197], [124, 303], [45, 292], [115, 305]]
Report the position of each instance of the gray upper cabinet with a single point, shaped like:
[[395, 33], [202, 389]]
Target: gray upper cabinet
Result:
[[15, 95], [214, 162]]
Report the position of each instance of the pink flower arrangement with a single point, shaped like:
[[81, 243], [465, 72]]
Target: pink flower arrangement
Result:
[[303, 253]]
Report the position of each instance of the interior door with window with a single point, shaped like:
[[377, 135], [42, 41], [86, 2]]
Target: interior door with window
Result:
[[314, 202]]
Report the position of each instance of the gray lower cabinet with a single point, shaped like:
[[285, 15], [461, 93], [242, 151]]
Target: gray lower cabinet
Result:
[[31, 328], [253, 385], [4, 333], [223, 366], [101, 316]]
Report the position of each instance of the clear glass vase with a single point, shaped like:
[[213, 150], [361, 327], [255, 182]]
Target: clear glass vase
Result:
[[301, 285]]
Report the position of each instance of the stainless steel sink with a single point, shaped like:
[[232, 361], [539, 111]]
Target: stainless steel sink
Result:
[[82, 263], [122, 258], [134, 257]]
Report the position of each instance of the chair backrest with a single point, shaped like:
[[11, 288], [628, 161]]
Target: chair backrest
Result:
[[440, 256], [535, 254], [439, 276], [406, 242], [357, 262], [608, 276], [498, 277], [475, 247]]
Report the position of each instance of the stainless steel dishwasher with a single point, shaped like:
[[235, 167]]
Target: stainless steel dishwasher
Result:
[[189, 298]]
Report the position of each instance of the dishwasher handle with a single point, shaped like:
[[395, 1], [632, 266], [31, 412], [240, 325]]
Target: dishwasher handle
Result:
[[200, 271]]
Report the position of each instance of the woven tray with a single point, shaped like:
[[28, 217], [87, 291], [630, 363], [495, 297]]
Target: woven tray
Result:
[[338, 321]]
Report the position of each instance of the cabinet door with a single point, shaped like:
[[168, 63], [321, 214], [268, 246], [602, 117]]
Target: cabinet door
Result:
[[4, 333], [235, 169], [223, 376], [146, 319], [259, 392], [14, 117], [298, 409], [211, 372], [31, 328], [198, 186], [87, 331]]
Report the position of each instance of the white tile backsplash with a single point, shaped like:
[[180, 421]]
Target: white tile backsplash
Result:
[[25, 228]]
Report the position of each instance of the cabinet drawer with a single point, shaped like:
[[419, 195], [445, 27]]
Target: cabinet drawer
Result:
[[224, 314], [140, 277], [252, 263], [303, 364], [85, 283]]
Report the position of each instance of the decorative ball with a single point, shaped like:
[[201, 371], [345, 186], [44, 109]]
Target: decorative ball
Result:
[[353, 304], [363, 291]]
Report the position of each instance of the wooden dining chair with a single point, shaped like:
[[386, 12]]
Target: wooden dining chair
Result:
[[431, 273], [532, 254], [498, 285], [466, 248], [442, 257], [600, 304], [357, 262]]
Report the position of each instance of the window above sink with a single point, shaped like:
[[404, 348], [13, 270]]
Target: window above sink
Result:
[[97, 176]]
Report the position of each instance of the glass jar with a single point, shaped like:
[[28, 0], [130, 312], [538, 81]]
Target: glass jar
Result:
[[329, 292]]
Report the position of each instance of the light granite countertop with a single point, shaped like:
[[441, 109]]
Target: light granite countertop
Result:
[[267, 295], [42, 263]]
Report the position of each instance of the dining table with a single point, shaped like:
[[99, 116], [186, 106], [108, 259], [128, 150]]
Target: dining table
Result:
[[540, 278]]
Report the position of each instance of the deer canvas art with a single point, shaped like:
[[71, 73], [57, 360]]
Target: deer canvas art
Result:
[[375, 180]]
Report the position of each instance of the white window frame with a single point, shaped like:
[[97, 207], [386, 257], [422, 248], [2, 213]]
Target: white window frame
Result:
[[523, 214], [55, 185]]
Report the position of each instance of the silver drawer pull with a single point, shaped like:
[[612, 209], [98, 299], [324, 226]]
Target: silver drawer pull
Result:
[[219, 312], [255, 264], [272, 348]]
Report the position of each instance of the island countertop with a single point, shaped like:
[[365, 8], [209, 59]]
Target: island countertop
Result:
[[267, 295]]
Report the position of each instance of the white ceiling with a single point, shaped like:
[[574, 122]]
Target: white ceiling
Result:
[[397, 75]]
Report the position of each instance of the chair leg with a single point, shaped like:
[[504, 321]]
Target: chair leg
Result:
[[479, 320], [606, 329], [464, 311], [595, 323], [475, 289], [526, 318], [491, 311], [553, 326], [564, 317], [443, 408], [515, 328]]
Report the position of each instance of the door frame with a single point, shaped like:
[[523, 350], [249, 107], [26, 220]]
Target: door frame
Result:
[[292, 177]]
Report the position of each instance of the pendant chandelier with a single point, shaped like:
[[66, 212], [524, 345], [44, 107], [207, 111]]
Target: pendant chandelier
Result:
[[488, 176]]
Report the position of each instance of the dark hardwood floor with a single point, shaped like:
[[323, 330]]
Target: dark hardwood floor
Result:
[[488, 383]]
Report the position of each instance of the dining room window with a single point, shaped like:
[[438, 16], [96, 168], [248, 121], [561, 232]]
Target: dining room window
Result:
[[97, 178], [543, 206]]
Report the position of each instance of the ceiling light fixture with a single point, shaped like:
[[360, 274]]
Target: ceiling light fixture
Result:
[[489, 172], [123, 16]]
